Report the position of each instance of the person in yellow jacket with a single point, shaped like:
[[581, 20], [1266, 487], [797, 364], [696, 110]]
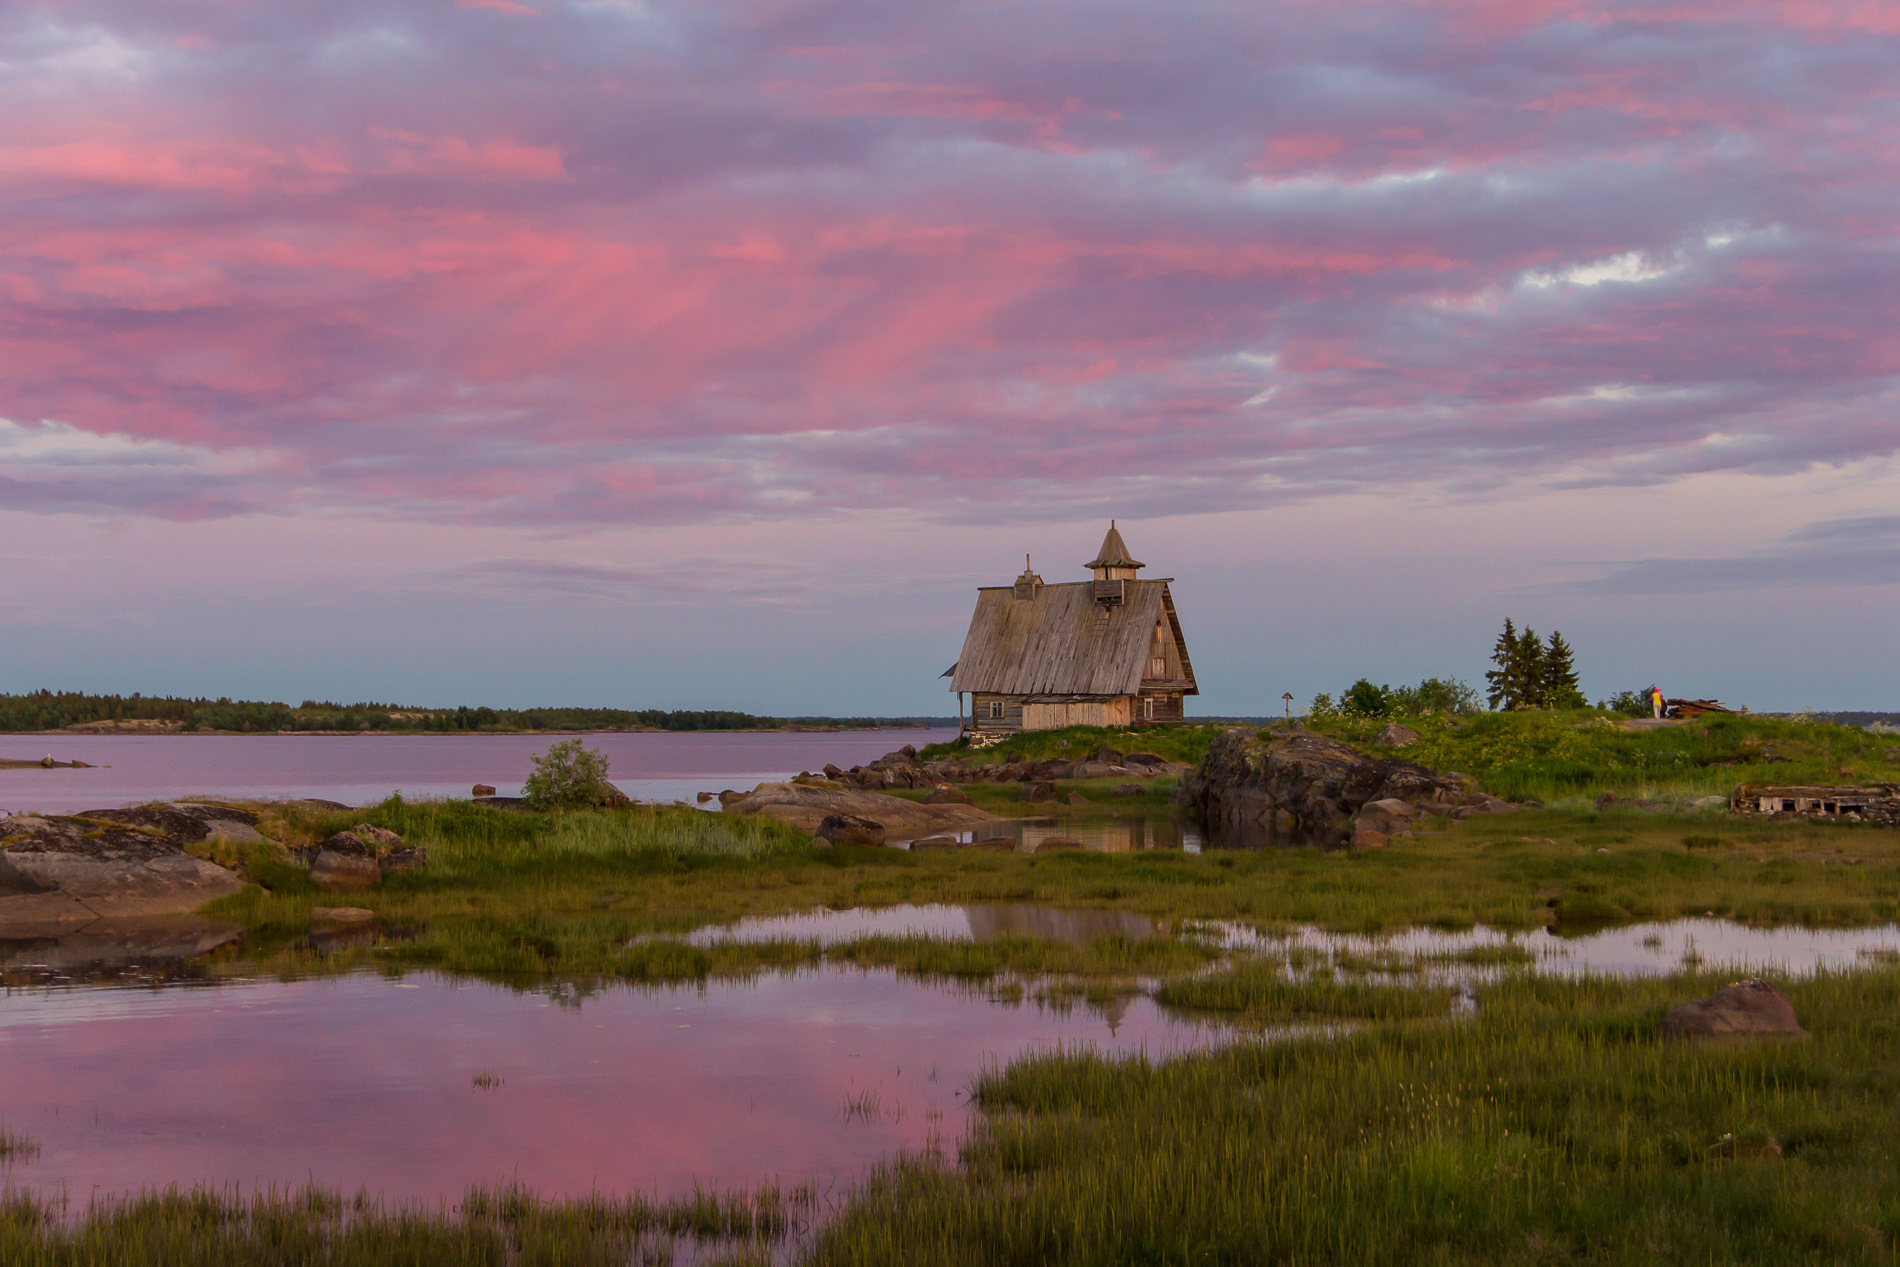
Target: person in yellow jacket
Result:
[[1655, 702]]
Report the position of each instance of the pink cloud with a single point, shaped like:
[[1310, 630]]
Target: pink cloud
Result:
[[686, 263]]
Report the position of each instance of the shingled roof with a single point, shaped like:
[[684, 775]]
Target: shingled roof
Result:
[[1062, 642]]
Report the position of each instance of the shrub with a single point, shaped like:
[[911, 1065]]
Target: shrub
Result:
[[568, 776]]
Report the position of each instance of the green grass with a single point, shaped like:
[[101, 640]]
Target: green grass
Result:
[[510, 895], [1555, 1126], [1186, 744], [490, 1228], [1570, 757]]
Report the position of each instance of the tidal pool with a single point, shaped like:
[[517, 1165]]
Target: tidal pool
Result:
[[417, 1086], [1629, 949]]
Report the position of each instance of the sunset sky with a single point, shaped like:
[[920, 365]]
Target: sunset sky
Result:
[[710, 355]]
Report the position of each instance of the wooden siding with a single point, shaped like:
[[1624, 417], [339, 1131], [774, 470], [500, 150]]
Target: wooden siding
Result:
[[1061, 642], [1054, 716]]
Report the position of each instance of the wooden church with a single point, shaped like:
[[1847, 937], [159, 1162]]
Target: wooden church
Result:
[[1103, 652]]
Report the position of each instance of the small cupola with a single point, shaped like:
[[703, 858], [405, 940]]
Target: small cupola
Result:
[[1112, 566], [1112, 561], [1028, 583]]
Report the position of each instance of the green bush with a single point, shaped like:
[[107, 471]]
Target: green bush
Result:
[[568, 776]]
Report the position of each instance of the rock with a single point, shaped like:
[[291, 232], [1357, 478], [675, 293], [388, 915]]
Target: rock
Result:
[[1606, 800], [83, 867], [944, 794], [807, 807], [1300, 787], [342, 914], [1383, 817], [849, 829], [728, 798], [48, 762], [1076, 798], [935, 842], [1367, 839], [832, 771], [482, 789], [1393, 735], [1039, 790], [345, 861], [182, 822], [1108, 756], [703, 797], [381, 839], [1751, 1006], [1129, 789], [612, 797], [408, 859], [909, 750], [1709, 802]]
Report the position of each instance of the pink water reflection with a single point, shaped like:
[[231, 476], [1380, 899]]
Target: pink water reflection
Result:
[[369, 1081], [360, 769]]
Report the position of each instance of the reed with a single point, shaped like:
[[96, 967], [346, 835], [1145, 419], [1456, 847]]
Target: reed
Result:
[[1555, 1125]]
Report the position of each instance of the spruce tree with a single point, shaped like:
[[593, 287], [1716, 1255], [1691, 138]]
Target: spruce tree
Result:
[[1527, 671], [1504, 655], [1560, 689]]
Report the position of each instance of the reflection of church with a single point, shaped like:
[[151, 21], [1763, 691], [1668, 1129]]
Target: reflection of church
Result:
[[1076, 928]]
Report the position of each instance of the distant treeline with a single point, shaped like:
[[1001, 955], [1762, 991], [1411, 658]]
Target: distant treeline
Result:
[[50, 710]]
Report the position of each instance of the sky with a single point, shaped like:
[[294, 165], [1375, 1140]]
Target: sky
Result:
[[710, 355]]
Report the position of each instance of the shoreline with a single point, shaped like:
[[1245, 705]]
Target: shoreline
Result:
[[87, 732]]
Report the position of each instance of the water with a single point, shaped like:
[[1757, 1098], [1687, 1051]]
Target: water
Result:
[[1120, 835], [363, 769], [814, 1075], [370, 1081], [1651, 949]]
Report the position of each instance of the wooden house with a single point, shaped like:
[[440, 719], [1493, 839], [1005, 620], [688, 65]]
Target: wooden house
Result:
[[1102, 652]]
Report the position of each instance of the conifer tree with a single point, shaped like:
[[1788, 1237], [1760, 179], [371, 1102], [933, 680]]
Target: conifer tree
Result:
[[1527, 671], [1504, 655], [1560, 689]]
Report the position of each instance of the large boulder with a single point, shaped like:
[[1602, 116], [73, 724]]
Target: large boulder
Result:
[[1751, 1006], [84, 867], [1300, 788], [806, 807], [947, 794], [849, 829], [345, 861], [1393, 735]]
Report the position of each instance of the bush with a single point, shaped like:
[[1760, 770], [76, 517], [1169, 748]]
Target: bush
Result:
[[568, 776], [1363, 699]]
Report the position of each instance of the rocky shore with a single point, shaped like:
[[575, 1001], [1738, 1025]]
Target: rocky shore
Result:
[[61, 872], [1292, 787]]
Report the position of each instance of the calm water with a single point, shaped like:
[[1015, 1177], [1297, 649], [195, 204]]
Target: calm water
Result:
[[368, 1081], [363, 769]]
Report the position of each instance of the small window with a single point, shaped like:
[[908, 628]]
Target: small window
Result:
[[996, 709], [1148, 708]]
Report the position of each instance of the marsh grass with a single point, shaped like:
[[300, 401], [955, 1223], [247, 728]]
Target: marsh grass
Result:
[[504, 1225], [17, 1147], [1554, 1126], [511, 896]]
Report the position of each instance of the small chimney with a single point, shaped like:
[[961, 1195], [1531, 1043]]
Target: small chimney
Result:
[[1028, 583]]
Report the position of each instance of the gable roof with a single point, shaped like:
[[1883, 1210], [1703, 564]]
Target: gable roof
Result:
[[1062, 643]]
